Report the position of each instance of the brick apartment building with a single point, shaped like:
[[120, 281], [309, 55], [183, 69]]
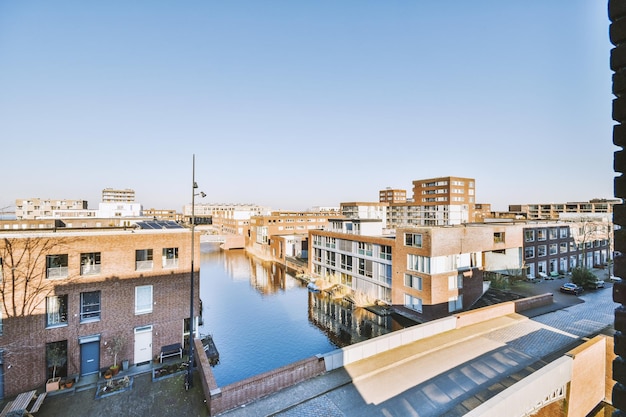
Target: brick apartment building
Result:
[[77, 289]]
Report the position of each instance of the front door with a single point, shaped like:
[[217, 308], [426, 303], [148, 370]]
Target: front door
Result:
[[143, 344], [90, 357]]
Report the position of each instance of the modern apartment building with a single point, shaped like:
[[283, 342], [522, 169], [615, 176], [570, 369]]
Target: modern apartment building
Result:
[[73, 291], [163, 214], [231, 219], [112, 195], [553, 211], [446, 200], [36, 208]]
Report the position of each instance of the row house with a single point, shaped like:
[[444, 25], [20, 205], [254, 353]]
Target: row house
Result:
[[556, 247], [73, 291]]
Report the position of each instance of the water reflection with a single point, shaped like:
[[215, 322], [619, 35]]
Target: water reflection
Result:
[[261, 317]]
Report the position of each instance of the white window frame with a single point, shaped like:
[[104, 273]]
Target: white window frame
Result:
[[143, 307]]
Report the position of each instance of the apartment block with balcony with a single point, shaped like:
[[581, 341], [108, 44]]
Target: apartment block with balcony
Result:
[[75, 290], [390, 195]]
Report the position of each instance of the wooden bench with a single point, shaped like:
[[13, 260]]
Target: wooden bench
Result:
[[38, 403], [6, 409], [171, 350]]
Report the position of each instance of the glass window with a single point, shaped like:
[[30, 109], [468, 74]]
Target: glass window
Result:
[[529, 252], [542, 250], [413, 303], [498, 237], [170, 257], [529, 235], [553, 249], [385, 252], [413, 281], [553, 233], [413, 239], [56, 310], [90, 263], [143, 299], [56, 266], [542, 234], [564, 232], [90, 306], [143, 259], [563, 247], [56, 359]]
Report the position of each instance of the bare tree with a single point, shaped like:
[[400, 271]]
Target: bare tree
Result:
[[586, 230], [23, 285]]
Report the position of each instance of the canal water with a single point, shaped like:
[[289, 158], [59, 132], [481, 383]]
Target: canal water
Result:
[[261, 317]]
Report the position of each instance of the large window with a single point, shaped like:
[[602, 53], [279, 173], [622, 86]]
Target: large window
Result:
[[143, 299], [553, 249], [170, 257], [413, 239], [364, 248], [455, 282], [413, 281], [529, 252], [498, 237], [413, 303], [418, 263], [90, 306], [542, 234], [56, 359], [56, 310], [529, 235], [143, 259], [553, 233], [385, 252], [90, 263], [56, 266], [542, 250], [455, 303], [346, 262]]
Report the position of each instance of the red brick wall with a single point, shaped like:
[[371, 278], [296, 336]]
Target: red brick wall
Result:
[[248, 390]]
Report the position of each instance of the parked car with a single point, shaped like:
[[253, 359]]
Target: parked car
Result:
[[571, 288], [594, 285]]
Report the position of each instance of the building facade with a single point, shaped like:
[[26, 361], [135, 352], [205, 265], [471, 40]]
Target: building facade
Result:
[[74, 291], [36, 208], [553, 211], [112, 195]]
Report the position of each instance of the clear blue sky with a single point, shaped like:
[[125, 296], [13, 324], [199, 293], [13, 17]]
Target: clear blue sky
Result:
[[294, 104]]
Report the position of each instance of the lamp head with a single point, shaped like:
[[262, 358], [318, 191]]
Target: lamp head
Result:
[[202, 194]]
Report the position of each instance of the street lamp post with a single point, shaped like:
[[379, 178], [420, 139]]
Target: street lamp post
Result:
[[191, 295]]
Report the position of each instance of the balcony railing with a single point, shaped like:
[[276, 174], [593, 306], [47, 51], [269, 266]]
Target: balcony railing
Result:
[[143, 265], [89, 269], [170, 263], [57, 272]]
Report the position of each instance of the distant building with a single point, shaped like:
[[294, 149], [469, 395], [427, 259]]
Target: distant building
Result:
[[390, 195], [36, 208], [163, 214], [226, 218], [111, 195], [552, 211]]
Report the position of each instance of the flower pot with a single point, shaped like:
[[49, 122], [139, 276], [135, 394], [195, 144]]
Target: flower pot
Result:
[[115, 369], [53, 384], [107, 374]]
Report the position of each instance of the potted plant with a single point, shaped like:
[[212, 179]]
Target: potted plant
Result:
[[56, 357], [115, 347]]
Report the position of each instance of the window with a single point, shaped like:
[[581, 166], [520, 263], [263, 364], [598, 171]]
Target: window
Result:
[[455, 303], [56, 359], [542, 234], [563, 232], [143, 259], [529, 236], [563, 247], [413, 239], [529, 252], [365, 248], [346, 262], [330, 258], [498, 237], [455, 282], [89, 306], [413, 303], [385, 252], [542, 250], [170, 257], [143, 299], [56, 311], [553, 249], [365, 267], [413, 281], [553, 233], [56, 266], [418, 263], [90, 263]]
